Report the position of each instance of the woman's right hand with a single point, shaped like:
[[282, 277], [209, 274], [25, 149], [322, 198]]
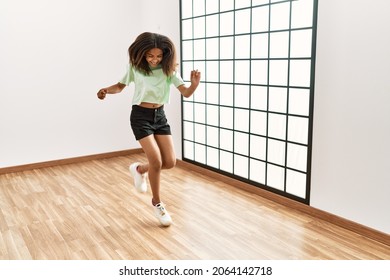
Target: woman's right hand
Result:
[[102, 93]]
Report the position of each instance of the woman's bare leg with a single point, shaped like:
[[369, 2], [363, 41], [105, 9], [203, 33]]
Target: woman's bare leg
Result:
[[161, 155]]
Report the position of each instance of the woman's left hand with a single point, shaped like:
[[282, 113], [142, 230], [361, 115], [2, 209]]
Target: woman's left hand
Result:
[[195, 78]]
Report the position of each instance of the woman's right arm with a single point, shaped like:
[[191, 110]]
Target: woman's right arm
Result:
[[117, 88]]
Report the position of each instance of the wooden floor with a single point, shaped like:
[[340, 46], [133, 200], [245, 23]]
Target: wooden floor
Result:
[[91, 211]]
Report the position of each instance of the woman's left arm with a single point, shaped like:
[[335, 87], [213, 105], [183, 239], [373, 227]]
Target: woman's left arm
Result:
[[188, 91]]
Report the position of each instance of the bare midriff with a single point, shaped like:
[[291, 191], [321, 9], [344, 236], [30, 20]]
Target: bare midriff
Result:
[[150, 105]]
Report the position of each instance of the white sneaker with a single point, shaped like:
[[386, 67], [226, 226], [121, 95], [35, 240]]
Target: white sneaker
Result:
[[162, 214], [139, 179]]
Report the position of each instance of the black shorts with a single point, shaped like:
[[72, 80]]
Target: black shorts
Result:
[[147, 121]]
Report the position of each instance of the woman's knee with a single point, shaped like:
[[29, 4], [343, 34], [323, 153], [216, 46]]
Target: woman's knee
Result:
[[155, 165], [169, 163]]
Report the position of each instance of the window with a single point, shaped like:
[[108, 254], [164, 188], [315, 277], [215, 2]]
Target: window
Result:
[[251, 116]]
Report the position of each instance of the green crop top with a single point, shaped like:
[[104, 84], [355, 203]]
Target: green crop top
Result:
[[153, 88]]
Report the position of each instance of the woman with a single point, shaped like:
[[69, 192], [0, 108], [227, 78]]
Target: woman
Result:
[[152, 68]]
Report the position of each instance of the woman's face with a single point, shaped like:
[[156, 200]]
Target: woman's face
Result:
[[154, 57]]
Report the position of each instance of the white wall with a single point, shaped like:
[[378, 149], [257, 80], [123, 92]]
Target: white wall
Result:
[[55, 55], [351, 149]]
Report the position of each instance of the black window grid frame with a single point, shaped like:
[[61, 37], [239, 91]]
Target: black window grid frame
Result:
[[310, 88]]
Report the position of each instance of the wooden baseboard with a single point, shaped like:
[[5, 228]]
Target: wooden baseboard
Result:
[[31, 166], [314, 212]]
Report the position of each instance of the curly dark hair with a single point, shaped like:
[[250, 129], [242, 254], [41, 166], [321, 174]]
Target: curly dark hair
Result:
[[147, 41]]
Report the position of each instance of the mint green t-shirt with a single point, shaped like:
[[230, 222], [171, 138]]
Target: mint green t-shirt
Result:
[[153, 88]]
